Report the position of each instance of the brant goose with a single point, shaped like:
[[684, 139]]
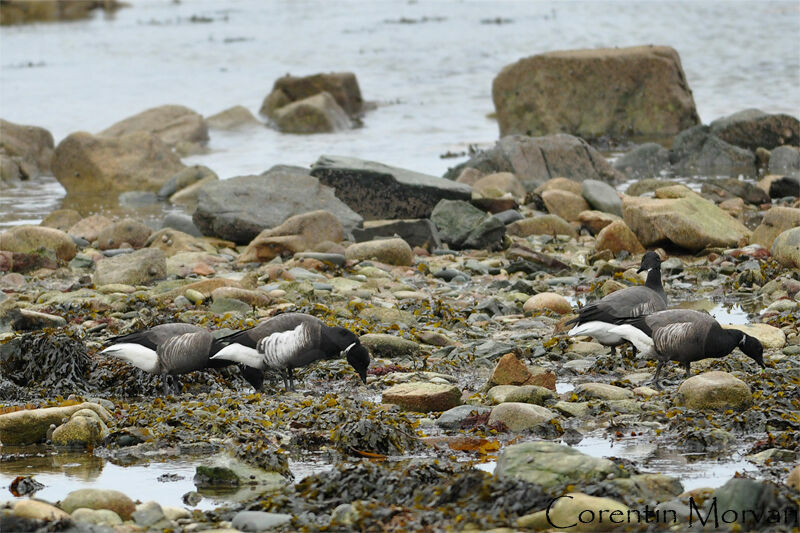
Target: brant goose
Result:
[[598, 318], [684, 335], [174, 349], [292, 340]]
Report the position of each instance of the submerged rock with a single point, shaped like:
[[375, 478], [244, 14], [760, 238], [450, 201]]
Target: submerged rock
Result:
[[342, 86], [170, 123], [714, 390]]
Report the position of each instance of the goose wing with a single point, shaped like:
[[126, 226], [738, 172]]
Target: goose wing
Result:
[[285, 322], [153, 337], [181, 354], [623, 304]]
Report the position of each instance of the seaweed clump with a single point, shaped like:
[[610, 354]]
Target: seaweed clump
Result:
[[53, 361], [408, 496]]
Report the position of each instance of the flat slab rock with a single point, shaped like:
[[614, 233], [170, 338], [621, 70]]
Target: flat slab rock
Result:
[[378, 191], [423, 397]]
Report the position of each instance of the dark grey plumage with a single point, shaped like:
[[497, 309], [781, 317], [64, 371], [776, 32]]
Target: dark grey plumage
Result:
[[685, 336], [293, 340]]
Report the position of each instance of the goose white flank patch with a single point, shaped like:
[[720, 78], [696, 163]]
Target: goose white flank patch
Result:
[[685, 336], [597, 319], [173, 349], [293, 340]]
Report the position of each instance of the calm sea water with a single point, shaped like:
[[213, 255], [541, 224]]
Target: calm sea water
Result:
[[428, 66]]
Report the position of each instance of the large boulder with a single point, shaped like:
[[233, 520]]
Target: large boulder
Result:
[[462, 225], [316, 114], [698, 150], [775, 221], [689, 221], [616, 92], [378, 191], [342, 86], [238, 209], [136, 268], [25, 151], [786, 248], [785, 160], [753, 128], [296, 234], [29, 239], [170, 123], [551, 465], [535, 160], [139, 161], [714, 390]]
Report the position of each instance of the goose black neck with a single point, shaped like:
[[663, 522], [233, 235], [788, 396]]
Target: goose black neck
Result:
[[654, 282], [720, 342]]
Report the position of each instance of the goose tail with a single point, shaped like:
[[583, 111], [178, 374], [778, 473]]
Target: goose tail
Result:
[[136, 354], [634, 335]]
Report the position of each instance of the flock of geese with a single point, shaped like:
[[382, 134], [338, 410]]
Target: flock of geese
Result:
[[283, 343]]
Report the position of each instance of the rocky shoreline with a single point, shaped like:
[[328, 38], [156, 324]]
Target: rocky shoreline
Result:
[[460, 290]]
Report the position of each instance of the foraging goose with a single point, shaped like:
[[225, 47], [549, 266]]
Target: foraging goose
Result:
[[598, 318], [174, 349], [292, 340], [684, 335]]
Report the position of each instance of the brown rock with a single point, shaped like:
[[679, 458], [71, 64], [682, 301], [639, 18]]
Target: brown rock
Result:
[[90, 227], [342, 86], [29, 239], [127, 230], [234, 118], [28, 148], [616, 237], [61, 219], [204, 287], [172, 241], [793, 480], [560, 184], [316, 114], [547, 301], [776, 221], [619, 92], [297, 233], [390, 251], [596, 220], [541, 225], [423, 397], [139, 161], [39, 510], [510, 371], [170, 123], [565, 204], [499, 184], [30, 426], [256, 298], [469, 176]]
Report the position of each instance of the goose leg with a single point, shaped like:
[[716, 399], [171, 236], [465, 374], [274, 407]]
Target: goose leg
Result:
[[613, 350], [285, 376], [291, 378], [655, 382], [687, 366]]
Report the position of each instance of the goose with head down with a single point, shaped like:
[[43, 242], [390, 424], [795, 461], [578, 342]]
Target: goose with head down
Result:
[[685, 336], [293, 340]]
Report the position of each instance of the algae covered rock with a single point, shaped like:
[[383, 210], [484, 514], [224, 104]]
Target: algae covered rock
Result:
[[714, 390]]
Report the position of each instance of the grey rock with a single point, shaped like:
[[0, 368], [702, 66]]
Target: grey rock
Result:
[[136, 268], [334, 259], [181, 222], [753, 128], [137, 198], [378, 191], [745, 190], [238, 209], [602, 196], [462, 225], [259, 520], [184, 178], [785, 160], [644, 161], [149, 514], [508, 216], [535, 160], [697, 150], [223, 305], [416, 232], [452, 418]]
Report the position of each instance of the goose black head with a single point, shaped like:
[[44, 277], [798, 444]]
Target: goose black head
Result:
[[753, 349], [650, 260], [358, 357]]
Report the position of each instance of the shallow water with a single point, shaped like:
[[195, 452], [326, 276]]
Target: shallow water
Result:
[[694, 470], [429, 67]]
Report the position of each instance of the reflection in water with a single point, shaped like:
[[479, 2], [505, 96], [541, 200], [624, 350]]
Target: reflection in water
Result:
[[78, 465]]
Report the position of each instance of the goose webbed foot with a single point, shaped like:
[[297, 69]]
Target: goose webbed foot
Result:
[[613, 351]]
